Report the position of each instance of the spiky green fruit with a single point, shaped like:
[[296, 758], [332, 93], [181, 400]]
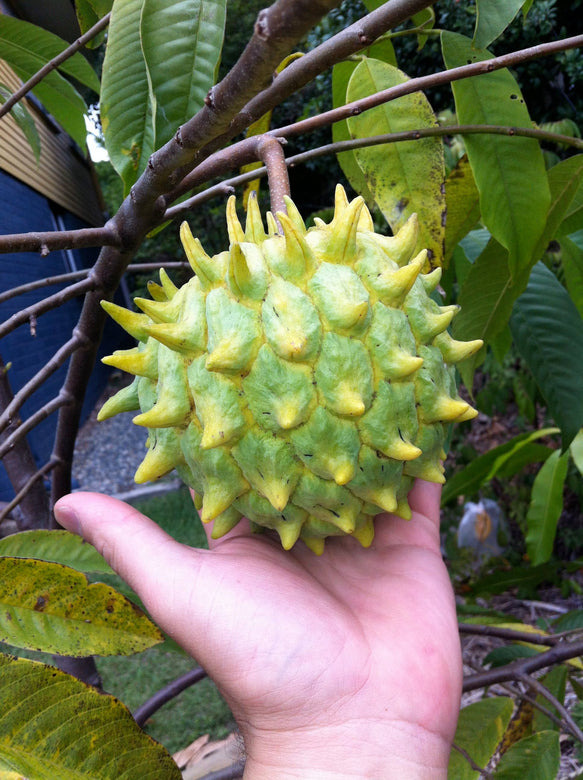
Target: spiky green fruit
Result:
[[302, 379]]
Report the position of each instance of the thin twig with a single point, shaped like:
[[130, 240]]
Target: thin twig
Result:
[[34, 419], [54, 63], [46, 304], [508, 633], [560, 653], [46, 242], [543, 691], [49, 368], [166, 694], [483, 772], [24, 490]]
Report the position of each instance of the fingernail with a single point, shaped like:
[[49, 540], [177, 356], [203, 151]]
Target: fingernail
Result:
[[68, 518]]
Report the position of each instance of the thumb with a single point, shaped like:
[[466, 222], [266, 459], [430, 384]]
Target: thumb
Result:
[[144, 555]]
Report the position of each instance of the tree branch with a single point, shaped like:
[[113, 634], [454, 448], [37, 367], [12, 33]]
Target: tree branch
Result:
[[508, 633], [54, 63], [49, 368], [30, 422], [46, 304], [26, 487], [270, 152], [557, 654], [543, 691], [166, 694], [59, 239]]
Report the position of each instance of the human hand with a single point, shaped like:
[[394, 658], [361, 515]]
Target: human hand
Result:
[[346, 665]]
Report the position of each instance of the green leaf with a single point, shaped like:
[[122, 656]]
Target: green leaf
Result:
[[404, 177], [126, 116], [24, 120], [51, 608], [509, 171], [56, 94], [89, 12], [341, 74], [426, 20], [54, 726], [572, 262], [487, 295], [56, 547], [462, 205], [468, 481], [570, 621], [480, 728], [555, 682], [524, 578], [181, 44], [548, 333], [576, 448], [493, 17], [546, 505], [501, 656], [533, 758], [28, 43]]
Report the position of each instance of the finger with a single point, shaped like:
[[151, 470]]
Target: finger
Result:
[[144, 555], [425, 498]]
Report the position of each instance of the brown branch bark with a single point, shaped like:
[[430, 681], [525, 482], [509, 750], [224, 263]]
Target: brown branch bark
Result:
[[61, 356], [270, 152], [20, 466], [54, 63], [21, 429], [558, 654], [535, 685], [26, 489], [166, 694], [508, 633], [44, 243], [46, 304]]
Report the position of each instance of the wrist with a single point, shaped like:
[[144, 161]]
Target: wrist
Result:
[[354, 751]]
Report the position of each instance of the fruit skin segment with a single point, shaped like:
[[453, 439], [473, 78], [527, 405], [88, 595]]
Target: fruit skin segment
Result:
[[302, 379]]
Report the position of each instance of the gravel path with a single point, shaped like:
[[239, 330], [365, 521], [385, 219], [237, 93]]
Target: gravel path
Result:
[[108, 453]]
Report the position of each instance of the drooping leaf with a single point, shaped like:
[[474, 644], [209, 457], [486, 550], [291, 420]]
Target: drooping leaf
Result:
[[89, 12], [546, 505], [533, 758], [54, 726], [493, 17], [23, 119], [126, 116], [425, 19], [501, 656], [576, 449], [56, 547], [480, 728], [488, 293], [572, 262], [462, 205], [404, 177], [181, 44], [468, 481], [548, 333], [509, 171], [49, 607], [27, 48], [341, 73], [27, 43]]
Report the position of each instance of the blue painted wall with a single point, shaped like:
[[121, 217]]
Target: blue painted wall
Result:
[[21, 210]]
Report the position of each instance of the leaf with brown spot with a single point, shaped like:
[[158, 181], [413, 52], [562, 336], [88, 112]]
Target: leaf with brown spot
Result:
[[405, 177], [50, 607]]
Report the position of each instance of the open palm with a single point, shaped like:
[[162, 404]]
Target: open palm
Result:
[[348, 660]]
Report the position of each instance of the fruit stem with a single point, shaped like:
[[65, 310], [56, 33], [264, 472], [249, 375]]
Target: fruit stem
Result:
[[270, 152]]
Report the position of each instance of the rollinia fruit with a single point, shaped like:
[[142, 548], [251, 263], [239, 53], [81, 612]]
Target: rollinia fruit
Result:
[[302, 379]]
